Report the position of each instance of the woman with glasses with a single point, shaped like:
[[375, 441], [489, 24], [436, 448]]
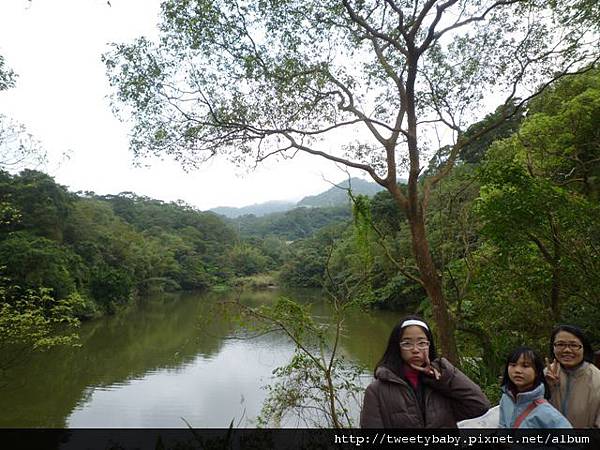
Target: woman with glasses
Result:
[[415, 389], [573, 379]]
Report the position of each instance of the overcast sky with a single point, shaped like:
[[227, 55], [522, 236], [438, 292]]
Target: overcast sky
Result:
[[61, 96]]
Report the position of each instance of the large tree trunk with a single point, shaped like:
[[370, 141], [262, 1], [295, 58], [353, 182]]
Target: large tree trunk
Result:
[[413, 206], [433, 286]]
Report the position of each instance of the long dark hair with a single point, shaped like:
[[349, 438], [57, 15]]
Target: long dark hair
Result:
[[588, 353], [535, 359], [392, 358]]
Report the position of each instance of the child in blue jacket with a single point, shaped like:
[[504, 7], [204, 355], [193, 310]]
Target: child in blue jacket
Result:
[[524, 400]]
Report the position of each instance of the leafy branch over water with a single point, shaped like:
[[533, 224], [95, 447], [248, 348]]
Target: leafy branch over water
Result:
[[319, 386]]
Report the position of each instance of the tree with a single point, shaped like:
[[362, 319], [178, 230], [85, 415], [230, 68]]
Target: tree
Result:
[[246, 260], [475, 151], [33, 316], [44, 205], [32, 320], [533, 256], [562, 137], [259, 79], [539, 196], [319, 386], [7, 76], [18, 148]]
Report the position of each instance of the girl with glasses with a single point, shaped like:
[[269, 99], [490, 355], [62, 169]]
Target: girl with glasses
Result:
[[413, 388], [573, 379], [525, 394]]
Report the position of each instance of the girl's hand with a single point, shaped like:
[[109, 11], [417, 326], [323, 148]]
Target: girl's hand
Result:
[[427, 369], [552, 373]]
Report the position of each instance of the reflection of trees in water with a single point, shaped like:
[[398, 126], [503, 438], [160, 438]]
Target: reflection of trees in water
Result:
[[321, 384], [159, 334], [365, 333], [166, 332]]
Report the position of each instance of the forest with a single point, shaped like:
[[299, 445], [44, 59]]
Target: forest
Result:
[[495, 239], [515, 230]]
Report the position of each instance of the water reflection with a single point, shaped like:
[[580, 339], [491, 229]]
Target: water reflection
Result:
[[158, 364], [205, 392]]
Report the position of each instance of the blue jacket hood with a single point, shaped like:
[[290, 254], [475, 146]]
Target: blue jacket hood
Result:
[[526, 397], [543, 415]]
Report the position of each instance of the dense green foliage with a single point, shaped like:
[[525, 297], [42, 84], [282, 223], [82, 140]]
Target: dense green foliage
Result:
[[515, 231], [31, 317], [298, 223], [106, 249]]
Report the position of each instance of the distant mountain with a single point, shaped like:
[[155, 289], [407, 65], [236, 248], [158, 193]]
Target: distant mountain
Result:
[[258, 209], [338, 195], [297, 223]]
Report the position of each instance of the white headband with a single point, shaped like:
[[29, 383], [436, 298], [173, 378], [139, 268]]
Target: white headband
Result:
[[410, 322]]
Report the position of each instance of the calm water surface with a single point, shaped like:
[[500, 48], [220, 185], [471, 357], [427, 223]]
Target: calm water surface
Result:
[[159, 365]]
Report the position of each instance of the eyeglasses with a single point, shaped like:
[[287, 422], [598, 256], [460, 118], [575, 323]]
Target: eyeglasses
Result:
[[421, 345], [571, 345]]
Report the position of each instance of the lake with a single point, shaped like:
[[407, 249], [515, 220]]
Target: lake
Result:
[[161, 365]]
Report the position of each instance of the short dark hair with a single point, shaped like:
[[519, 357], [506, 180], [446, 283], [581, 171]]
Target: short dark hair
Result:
[[588, 353], [392, 358], [532, 356]]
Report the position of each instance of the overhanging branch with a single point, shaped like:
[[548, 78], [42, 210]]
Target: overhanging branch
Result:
[[370, 170]]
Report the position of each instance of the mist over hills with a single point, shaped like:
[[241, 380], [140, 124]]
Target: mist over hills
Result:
[[335, 196], [338, 194], [257, 209]]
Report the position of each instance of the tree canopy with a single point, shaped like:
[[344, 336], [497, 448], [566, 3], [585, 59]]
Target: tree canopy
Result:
[[392, 81], [228, 74]]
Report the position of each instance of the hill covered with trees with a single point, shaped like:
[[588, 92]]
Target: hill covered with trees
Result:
[[336, 196], [104, 250]]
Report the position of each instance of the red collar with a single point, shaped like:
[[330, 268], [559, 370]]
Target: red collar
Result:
[[412, 376]]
